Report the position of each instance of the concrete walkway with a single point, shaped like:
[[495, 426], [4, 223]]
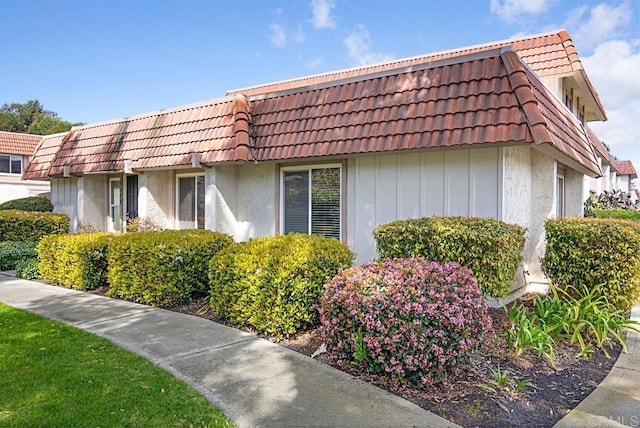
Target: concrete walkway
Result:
[[255, 382]]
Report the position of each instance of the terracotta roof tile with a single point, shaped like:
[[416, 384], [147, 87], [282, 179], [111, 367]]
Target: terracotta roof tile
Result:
[[625, 167], [39, 164], [13, 143], [599, 146]]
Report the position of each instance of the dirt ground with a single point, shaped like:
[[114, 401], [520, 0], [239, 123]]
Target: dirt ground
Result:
[[473, 398]]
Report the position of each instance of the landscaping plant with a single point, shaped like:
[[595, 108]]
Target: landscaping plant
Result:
[[13, 252], [31, 203], [410, 320], [31, 226], [273, 283], [28, 269], [490, 248]]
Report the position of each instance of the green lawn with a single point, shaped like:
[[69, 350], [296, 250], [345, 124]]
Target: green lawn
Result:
[[54, 375]]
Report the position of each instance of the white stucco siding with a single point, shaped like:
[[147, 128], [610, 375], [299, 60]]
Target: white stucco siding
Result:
[[156, 197], [574, 193], [516, 207], [92, 202], [12, 187], [384, 188], [64, 197]]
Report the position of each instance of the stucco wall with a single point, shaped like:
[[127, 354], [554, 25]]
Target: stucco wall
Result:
[[156, 197], [574, 193], [93, 202], [390, 187], [12, 187]]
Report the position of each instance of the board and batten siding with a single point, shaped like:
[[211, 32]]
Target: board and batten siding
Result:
[[391, 187], [64, 197]]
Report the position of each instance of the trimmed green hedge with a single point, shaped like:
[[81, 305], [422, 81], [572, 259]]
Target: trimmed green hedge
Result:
[[76, 261], [31, 226], [31, 203], [618, 213], [12, 253], [273, 283], [586, 252], [162, 268], [491, 249]]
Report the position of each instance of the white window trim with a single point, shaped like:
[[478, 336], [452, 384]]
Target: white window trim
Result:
[[176, 220], [11, 159], [308, 167], [110, 227], [561, 208]]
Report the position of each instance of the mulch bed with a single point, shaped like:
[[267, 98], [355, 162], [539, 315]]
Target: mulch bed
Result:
[[470, 398]]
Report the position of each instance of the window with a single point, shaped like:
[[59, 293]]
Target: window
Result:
[[115, 205], [190, 201], [311, 200], [11, 164], [132, 196], [560, 195]]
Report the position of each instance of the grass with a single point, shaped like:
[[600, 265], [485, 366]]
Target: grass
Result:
[[52, 374]]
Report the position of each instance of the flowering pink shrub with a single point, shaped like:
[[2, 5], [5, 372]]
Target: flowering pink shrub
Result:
[[408, 319]]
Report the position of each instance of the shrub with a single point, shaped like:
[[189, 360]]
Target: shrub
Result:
[[27, 269], [76, 261], [30, 226], [162, 268], [273, 283], [12, 252], [587, 252], [32, 203], [618, 213], [609, 200], [490, 248], [411, 320]]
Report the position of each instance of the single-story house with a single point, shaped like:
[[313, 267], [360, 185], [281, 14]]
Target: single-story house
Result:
[[15, 151], [493, 131]]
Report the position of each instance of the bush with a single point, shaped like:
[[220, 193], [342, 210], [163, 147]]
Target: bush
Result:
[[32, 203], [411, 320], [27, 269], [30, 226], [12, 252], [609, 200], [76, 261], [490, 248], [162, 268], [273, 283], [618, 213], [587, 252]]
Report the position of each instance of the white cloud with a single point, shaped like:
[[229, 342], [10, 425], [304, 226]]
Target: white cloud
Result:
[[315, 63], [510, 10], [299, 35], [359, 48], [592, 26], [278, 36], [613, 70], [322, 13]]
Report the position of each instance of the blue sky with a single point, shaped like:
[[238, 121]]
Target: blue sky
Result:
[[93, 60]]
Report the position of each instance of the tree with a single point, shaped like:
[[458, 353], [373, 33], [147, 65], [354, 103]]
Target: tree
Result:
[[31, 118]]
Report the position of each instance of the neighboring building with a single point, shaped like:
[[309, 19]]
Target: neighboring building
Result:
[[616, 175], [15, 151], [493, 131], [625, 175]]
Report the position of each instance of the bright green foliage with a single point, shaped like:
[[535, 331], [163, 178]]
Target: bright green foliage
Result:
[[273, 283], [162, 268], [586, 252], [590, 320], [31, 203], [12, 252], [76, 261], [491, 249], [31, 118], [30, 226], [28, 269], [618, 213]]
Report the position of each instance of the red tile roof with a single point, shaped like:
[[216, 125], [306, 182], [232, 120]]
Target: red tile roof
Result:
[[38, 167], [599, 146], [548, 54], [625, 167], [485, 98], [13, 143]]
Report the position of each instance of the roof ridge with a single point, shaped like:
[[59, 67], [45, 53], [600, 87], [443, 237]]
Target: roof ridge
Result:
[[487, 45]]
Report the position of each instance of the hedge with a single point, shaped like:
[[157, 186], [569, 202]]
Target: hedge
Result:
[[490, 248], [618, 213], [410, 320], [273, 283], [165, 268], [31, 203], [76, 261], [586, 252], [18, 225], [12, 253]]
